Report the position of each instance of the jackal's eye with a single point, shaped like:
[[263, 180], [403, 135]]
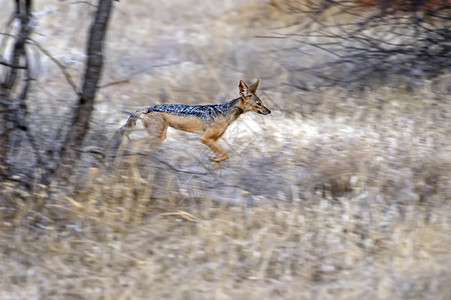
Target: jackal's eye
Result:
[[258, 103]]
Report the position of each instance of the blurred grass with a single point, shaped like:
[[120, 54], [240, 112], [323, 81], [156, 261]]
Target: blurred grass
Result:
[[333, 196], [113, 241]]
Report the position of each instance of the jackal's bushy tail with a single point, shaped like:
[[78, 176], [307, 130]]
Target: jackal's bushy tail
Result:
[[130, 124], [125, 129]]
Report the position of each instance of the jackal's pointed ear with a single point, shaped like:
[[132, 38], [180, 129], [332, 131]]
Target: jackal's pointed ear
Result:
[[253, 87], [244, 89]]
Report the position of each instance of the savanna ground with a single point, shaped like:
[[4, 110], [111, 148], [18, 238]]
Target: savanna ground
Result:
[[337, 194]]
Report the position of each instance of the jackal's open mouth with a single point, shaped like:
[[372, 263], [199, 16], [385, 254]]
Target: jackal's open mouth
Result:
[[265, 112]]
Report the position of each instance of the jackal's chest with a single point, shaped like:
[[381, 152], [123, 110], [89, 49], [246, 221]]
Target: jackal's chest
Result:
[[186, 123]]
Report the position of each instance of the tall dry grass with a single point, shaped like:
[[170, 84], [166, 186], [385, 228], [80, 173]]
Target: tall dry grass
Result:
[[342, 208]]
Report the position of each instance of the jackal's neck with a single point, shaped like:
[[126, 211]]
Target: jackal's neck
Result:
[[233, 109]]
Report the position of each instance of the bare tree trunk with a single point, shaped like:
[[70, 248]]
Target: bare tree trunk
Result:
[[70, 151], [12, 108]]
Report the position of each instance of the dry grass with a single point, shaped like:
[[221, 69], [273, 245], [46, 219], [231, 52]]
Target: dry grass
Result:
[[350, 209], [332, 196], [112, 241]]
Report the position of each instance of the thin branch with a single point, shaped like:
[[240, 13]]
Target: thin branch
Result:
[[12, 66], [59, 64], [127, 80], [84, 2], [114, 83]]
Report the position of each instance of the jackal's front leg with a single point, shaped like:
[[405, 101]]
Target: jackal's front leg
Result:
[[213, 145]]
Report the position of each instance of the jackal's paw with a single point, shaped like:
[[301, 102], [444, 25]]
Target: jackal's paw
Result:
[[219, 158]]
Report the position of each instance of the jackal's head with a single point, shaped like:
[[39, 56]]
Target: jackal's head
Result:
[[249, 99]]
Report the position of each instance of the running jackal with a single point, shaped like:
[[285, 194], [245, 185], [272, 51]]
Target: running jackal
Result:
[[209, 120]]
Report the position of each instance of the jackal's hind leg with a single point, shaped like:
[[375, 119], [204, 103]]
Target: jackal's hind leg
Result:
[[156, 127]]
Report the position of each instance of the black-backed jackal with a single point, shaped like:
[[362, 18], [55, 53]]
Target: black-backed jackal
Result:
[[209, 120]]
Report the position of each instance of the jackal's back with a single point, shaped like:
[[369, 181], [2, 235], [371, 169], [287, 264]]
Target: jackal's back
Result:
[[205, 112]]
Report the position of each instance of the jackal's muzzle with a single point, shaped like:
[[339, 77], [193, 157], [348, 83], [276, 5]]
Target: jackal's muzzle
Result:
[[265, 112]]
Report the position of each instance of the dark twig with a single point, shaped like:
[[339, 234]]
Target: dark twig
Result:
[[59, 64]]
